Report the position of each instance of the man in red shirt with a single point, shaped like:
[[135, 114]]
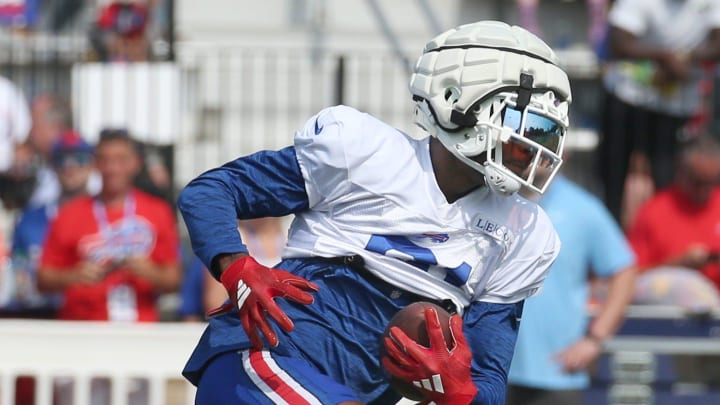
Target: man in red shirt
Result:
[[680, 226], [111, 254]]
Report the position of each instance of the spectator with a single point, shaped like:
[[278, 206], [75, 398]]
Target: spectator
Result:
[[14, 129], [527, 10], [33, 179], [155, 177], [19, 14], [199, 292], [119, 34], [51, 117], [552, 353], [72, 162], [676, 236], [680, 226], [264, 238], [112, 254], [652, 84], [15, 122]]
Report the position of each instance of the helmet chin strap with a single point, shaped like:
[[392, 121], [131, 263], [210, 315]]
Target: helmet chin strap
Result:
[[500, 183]]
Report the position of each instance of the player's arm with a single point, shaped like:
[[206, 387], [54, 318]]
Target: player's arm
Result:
[[263, 184], [260, 185], [491, 331]]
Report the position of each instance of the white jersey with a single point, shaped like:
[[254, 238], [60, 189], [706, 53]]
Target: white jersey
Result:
[[372, 192]]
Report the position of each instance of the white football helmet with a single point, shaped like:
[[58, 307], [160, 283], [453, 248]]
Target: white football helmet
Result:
[[496, 99]]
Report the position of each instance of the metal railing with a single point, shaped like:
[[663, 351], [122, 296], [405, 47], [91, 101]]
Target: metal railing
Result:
[[80, 353]]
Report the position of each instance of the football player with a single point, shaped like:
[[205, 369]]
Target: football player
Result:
[[383, 220]]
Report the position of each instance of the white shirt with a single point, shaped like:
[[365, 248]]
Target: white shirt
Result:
[[372, 192], [676, 25], [14, 121]]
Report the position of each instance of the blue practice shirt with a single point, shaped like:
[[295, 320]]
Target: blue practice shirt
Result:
[[556, 318], [28, 239]]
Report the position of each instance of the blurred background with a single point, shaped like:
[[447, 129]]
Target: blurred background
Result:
[[199, 83]]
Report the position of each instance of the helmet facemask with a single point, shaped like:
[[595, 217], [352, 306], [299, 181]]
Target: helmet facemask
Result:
[[513, 148]]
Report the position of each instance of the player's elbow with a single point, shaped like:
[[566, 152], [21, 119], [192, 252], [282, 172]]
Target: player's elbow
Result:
[[188, 199]]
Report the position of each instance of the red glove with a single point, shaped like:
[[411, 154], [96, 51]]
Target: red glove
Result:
[[253, 287], [442, 375]]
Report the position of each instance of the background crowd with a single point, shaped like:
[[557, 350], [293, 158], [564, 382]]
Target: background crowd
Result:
[[93, 233]]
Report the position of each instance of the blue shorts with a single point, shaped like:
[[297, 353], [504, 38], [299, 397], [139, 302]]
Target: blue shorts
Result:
[[333, 354], [263, 377]]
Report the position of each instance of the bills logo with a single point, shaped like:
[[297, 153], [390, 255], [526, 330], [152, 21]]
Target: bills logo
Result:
[[436, 237], [133, 236]]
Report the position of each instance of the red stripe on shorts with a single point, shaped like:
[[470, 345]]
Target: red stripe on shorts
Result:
[[274, 381]]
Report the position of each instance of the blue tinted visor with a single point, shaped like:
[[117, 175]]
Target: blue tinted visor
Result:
[[541, 130]]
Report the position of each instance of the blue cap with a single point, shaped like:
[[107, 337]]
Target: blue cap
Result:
[[70, 142]]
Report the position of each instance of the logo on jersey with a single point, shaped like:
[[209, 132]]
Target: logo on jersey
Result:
[[131, 236], [495, 230], [436, 237]]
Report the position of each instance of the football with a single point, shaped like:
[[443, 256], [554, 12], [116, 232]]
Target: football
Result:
[[411, 320]]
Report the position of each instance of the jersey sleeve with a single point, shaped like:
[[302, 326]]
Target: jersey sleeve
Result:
[[609, 251], [491, 331], [522, 271], [629, 15], [264, 184], [331, 148]]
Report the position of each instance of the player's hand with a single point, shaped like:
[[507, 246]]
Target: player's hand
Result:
[[579, 355], [252, 288], [88, 273], [442, 375]]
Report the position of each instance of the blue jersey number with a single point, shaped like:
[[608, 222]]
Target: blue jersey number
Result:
[[402, 248]]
